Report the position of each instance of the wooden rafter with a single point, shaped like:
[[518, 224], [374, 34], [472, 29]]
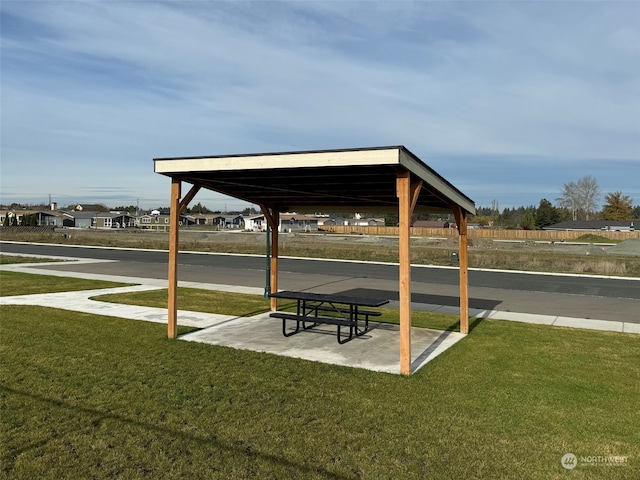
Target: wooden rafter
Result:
[[188, 197], [416, 187]]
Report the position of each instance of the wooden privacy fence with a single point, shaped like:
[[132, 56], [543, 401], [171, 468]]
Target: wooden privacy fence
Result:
[[533, 235]]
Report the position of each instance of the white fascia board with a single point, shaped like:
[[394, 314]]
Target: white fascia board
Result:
[[287, 160], [436, 181]]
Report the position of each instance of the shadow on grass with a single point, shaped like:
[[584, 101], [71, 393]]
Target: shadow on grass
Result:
[[239, 449], [474, 322]]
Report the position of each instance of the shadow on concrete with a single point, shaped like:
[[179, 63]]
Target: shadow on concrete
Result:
[[430, 350], [448, 300]]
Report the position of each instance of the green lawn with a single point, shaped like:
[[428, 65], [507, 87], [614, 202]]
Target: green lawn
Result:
[[11, 259], [85, 396], [18, 283], [195, 300]]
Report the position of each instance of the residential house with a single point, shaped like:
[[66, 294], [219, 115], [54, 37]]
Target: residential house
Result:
[[43, 217], [610, 225], [333, 221], [289, 222], [83, 219], [106, 220], [255, 223], [359, 221], [101, 220], [293, 222], [201, 218], [228, 221], [159, 220]]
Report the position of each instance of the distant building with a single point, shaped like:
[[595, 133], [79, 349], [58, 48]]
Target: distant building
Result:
[[289, 222], [228, 221], [602, 225], [359, 221], [356, 220], [49, 218], [298, 223], [433, 224]]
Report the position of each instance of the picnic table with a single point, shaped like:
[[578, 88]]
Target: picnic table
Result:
[[313, 309]]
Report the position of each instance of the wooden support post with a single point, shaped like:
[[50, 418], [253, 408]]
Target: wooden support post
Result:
[[404, 215], [273, 217], [463, 259], [274, 260], [174, 218]]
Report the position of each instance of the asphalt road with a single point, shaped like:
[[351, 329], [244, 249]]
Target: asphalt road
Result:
[[562, 295]]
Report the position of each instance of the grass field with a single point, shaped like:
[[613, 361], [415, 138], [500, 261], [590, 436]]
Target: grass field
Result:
[[12, 259], [18, 283], [85, 396], [96, 397]]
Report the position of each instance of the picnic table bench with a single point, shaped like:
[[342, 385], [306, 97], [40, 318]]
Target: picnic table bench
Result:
[[338, 310]]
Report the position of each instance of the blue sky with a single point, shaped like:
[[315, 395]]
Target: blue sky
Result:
[[507, 100]]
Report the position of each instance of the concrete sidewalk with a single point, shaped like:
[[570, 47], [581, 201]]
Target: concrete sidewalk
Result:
[[377, 350]]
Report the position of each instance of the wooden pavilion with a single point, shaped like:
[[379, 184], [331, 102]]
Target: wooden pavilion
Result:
[[379, 179]]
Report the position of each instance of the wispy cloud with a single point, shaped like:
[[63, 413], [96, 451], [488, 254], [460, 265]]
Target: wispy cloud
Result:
[[94, 90]]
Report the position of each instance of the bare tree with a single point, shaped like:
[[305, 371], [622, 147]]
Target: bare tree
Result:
[[570, 199], [589, 194], [580, 196]]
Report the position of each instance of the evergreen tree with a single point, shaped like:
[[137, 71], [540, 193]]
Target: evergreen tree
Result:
[[546, 214], [617, 207], [391, 220], [528, 220], [199, 208]]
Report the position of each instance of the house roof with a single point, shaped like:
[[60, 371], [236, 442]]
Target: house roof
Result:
[[84, 214], [297, 216], [51, 213], [592, 224], [310, 181]]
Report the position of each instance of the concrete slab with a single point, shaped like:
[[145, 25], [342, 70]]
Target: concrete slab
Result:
[[523, 317], [80, 301], [588, 324], [631, 327], [479, 313], [377, 350]]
